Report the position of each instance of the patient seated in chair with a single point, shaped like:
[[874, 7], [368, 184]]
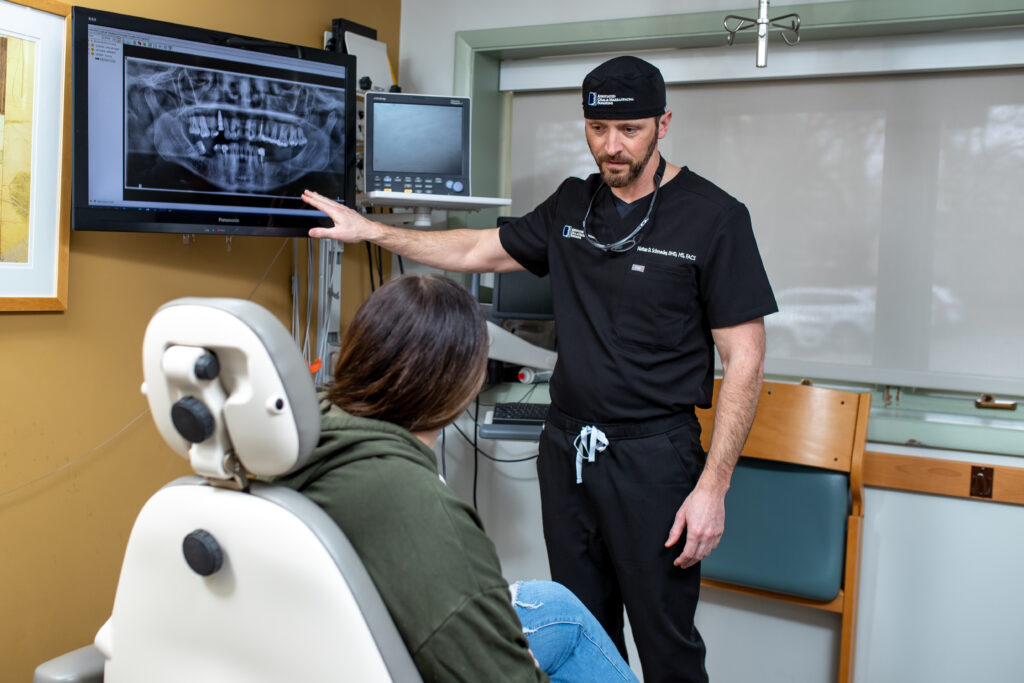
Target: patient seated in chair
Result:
[[410, 363], [361, 565]]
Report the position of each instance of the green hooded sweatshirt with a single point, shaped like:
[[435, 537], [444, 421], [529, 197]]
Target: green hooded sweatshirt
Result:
[[425, 549]]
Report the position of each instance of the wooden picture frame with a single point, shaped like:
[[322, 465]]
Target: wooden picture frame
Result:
[[35, 143]]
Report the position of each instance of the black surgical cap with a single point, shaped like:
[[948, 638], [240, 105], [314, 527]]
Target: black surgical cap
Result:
[[624, 88]]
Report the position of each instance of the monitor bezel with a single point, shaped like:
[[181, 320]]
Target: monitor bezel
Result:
[[91, 218], [369, 170]]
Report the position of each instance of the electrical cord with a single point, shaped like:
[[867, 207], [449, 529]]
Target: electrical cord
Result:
[[476, 451], [135, 419], [294, 282], [528, 394], [310, 264], [369, 259], [267, 271], [522, 399], [323, 330], [489, 456], [444, 445], [69, 463]]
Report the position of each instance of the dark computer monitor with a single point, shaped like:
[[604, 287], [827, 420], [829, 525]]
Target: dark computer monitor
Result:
[[417, 144], [521, 295], [184, 130]]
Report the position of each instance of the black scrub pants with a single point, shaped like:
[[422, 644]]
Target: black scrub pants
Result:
[[606, 536]]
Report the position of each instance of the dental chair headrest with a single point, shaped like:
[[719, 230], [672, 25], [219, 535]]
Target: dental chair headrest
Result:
[[229, 389]]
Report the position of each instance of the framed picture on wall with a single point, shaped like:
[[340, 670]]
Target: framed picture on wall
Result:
[[34, 140]]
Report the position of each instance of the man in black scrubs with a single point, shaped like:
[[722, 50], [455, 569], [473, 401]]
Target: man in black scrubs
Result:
[[652, 268]]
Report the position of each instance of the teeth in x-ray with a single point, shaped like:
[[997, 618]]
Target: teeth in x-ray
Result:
[[240, 164], [198, 126], [251, 151], [235, 128], [239, 132]]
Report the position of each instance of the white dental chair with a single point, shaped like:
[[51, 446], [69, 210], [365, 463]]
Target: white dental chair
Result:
[[226, 579]]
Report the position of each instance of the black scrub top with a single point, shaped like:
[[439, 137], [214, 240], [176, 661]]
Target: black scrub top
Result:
[[634, 328]]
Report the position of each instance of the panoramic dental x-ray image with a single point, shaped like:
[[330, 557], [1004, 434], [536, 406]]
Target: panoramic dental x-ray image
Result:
[[209, 129]]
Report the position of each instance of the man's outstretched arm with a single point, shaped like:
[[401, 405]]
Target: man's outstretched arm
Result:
[[471, 251]]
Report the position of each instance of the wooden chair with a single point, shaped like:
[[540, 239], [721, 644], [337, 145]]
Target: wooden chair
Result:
[[812, 439]]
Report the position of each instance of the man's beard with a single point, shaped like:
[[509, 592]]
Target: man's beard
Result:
[[633, 171]]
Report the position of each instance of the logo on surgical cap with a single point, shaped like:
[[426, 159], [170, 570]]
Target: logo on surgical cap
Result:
[[598, 100]]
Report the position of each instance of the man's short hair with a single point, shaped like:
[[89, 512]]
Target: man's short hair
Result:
[[624, 88]]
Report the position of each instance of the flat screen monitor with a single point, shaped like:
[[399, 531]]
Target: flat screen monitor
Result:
[[416, 143], [185, 130], [521, 295]]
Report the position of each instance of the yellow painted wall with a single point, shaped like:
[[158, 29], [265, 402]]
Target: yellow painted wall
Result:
[[69, 382]]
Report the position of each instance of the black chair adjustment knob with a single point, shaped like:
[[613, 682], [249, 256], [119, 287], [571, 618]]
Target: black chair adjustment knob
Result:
[[202, 552], [207, 367], [192, 419]]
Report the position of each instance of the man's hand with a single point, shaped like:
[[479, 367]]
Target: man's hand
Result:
[[349, 225], [702, 515]]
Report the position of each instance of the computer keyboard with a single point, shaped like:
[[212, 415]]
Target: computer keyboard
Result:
[[519, 413]]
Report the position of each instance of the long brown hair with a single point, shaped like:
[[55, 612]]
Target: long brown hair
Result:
[[414, 355]]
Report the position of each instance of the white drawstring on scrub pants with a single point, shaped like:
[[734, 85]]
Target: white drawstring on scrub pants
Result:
[[591, 441]]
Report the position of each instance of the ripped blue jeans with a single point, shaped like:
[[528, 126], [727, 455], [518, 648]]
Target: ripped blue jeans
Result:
[[566, 639]]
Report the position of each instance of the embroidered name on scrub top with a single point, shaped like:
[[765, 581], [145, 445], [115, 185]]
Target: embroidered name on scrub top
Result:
[[667, 252]]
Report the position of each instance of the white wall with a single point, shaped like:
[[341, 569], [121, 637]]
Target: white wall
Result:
[[940, 595]]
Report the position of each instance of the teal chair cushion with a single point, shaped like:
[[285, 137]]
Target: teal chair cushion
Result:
[[785, 530]]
